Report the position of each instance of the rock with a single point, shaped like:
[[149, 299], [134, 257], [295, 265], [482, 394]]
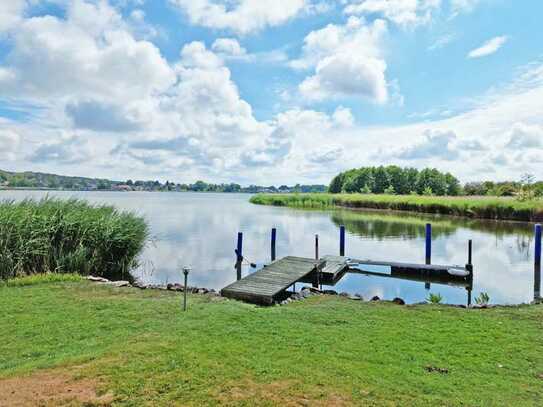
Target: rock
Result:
[[98, 279], [398, 301], [480, 306], [375, 298], [355, 297], [140, 285], [284, 302], [330, 292], [121, 283], [305, 293], [296, 297], [202, 291], [344, 294]]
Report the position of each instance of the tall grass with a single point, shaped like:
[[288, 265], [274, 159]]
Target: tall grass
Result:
[[473, 207], [68, 236]]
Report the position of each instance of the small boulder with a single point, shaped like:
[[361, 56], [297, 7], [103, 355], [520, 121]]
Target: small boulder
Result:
[[140, 285], [344, 294], [355, 297], [375, 298], [398, 301], [121, 283], [305, 293], [330, 292], [97, 279]]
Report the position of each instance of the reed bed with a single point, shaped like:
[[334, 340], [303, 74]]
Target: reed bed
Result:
[[498, 208], [68, 236]]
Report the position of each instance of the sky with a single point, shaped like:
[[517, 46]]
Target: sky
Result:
[[270, 91]]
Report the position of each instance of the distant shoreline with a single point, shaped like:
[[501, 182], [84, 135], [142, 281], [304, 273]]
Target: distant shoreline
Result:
[[494, 208], [116, 190]]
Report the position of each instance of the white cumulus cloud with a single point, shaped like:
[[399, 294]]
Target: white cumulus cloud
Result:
[[244, 16], [229, 47], [347, 61], [402, 12]]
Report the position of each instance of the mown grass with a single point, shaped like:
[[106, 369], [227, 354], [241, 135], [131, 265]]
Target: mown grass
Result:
[[499, 208], [68, 236], [322, 351]]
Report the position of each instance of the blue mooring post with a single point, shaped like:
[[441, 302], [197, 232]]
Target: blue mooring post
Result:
[[537, 263], [342, 240], [239, 254], [273, 238], [428, 243]]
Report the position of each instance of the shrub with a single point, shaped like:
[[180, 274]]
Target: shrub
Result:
[[483, 299], [434, 298], [69, 236]]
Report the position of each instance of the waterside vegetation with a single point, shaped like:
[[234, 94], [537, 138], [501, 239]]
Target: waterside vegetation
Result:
[[485, 207], [68, 236]]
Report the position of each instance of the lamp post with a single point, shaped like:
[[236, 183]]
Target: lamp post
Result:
[[186, 271]]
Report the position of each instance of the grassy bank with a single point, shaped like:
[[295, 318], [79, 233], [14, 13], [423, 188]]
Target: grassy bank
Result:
[[473, 207], [68, 236], [123, 346]]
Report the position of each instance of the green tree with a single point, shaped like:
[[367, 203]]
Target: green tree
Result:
[[381, 180]]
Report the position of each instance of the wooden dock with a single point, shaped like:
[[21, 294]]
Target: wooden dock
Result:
[[270, 284]]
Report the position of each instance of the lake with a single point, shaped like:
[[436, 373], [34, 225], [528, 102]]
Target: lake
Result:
[[200, 230]]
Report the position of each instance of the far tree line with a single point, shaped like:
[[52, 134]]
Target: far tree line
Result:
[[393, 179], [61, 182]]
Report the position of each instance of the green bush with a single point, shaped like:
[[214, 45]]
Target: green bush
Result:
[[70, 236], [434, 298]]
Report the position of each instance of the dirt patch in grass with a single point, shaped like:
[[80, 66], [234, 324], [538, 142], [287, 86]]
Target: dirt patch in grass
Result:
[[278, 393], [51, 388]]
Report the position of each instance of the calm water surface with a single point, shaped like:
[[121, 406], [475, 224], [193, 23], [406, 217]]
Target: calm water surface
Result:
[[200, 230]]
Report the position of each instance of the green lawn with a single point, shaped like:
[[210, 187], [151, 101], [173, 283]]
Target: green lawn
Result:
[[138, 348], [474, 207]]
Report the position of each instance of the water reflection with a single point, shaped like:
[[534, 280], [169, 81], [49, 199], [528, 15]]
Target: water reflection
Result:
[[200, 230]]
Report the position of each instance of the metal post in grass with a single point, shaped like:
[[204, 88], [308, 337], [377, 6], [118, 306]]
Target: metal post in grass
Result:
[[186, 271], [537, 263], [316, 247], [342, 240], [428, 243], [317, 281], [273, 238]]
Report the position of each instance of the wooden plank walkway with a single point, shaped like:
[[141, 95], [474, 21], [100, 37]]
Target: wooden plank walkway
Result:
[[269, 284], [333, 268]]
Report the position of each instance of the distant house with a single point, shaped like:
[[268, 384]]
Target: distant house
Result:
[[121, 187]]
